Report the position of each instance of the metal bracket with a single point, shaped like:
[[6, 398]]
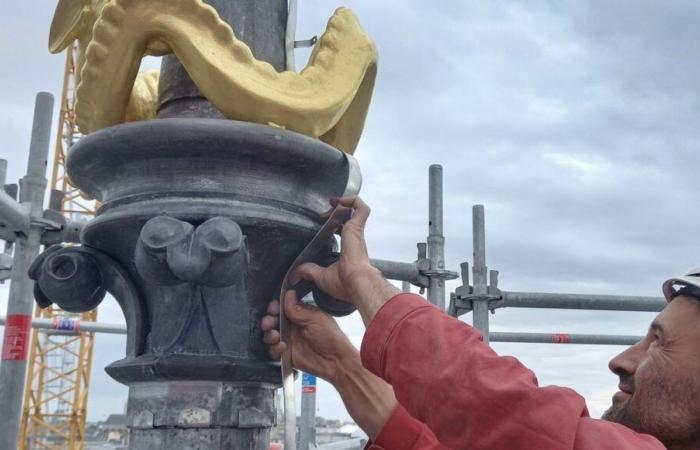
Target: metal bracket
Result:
[[423, 264], [46, 224], [463, 298], [463, 304], [56, 229], [440, 274], [306, 42]]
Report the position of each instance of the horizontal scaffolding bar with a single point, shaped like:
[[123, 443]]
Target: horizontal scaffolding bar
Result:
[[564, 338], [401, 271], [74, 325], [581, 301], [14, 217]]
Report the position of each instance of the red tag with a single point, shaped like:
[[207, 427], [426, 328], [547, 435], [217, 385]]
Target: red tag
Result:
[[561, 338], [16, 341], [308, 389]]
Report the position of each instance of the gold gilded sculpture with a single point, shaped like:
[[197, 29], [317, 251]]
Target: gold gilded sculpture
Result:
[[328, 99]]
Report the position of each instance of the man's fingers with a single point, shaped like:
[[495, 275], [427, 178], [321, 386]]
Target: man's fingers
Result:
[[306, 271], [296, 312], [352, 237], [273, 309], [360, 209], [269, 323], [361, 213], [276, 350], [271, 337]]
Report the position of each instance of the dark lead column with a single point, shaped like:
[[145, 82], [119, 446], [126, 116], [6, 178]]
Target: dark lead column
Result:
[[200, 219], [261, 24]]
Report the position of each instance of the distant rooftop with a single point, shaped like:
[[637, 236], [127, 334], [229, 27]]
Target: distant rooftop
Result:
[[116, 420]]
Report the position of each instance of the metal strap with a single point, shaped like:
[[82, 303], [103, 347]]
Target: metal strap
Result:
[[336, 218], [290, 35]]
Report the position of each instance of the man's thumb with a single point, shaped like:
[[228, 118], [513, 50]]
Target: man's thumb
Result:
[[295, 311], [307, 271]]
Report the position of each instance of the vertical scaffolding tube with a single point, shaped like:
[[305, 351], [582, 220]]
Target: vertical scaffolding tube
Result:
[[7, 250], [290, 35], [21, 300], [480, 313], [12, 215], [3, 173], [436, 240], [307, 425], [3, 180]]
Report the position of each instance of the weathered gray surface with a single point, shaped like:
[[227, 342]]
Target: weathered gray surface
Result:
[[200, 220], [200, 415]]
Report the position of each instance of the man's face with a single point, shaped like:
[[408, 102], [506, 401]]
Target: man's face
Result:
[[660, 377]]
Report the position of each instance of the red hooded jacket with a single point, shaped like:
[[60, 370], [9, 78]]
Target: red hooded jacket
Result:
[[455, 392]]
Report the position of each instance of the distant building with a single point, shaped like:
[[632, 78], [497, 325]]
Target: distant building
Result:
[[327, 431], [115, 428], [110, 434]]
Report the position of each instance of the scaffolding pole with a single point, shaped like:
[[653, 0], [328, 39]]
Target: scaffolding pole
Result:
[[6, 254], [21, 299], [564, 338], [436, 240], [581, 301], [480, 314], [401, 271], [73, 325], [307, 422], [485, 296]]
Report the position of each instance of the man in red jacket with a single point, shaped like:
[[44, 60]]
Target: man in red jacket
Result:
[[424, 380]]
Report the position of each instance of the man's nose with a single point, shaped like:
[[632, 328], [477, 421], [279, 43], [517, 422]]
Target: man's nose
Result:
[[626, 363]]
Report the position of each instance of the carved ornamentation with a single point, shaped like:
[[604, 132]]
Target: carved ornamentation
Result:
[[328, 100], [204, 267], [171, 251], [77, 279]]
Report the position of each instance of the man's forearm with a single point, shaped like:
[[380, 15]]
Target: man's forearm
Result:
[[369, 400], [370, 292]]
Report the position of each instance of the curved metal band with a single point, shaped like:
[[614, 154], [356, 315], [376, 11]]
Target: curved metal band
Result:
[[336, 218]]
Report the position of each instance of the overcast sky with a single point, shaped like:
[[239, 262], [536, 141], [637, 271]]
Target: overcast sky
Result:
[[574, 123]]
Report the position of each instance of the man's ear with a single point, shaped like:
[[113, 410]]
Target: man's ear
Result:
[[66, 23]]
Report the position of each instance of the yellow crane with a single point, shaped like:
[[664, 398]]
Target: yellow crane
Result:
[[58, 376]]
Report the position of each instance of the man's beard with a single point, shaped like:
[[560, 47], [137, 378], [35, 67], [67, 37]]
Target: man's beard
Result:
[[662, 410], [624, 415], [624, 412]]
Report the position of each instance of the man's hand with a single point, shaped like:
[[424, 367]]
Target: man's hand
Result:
[[318, 344], [321, 348], [339, 279], [352, 278]]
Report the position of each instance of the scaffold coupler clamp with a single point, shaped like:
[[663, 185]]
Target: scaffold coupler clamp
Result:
[[463, 298], [461, 303]]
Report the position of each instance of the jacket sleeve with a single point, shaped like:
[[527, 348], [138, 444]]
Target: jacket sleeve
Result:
[[403, 432], [446, 377]]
